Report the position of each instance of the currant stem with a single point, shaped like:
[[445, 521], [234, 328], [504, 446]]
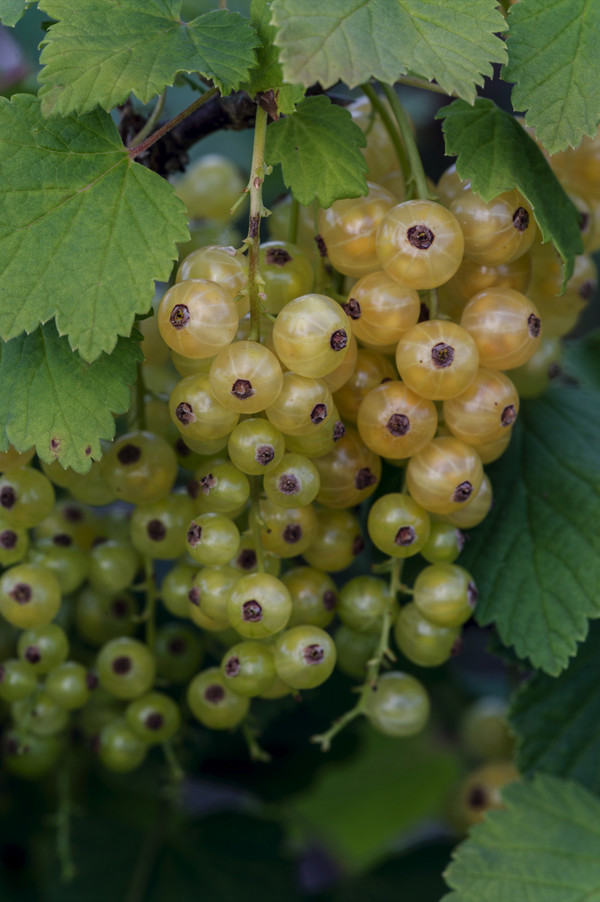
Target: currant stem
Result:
[[176, 772], [391, 129], [258, 172], [150, 609], [254, 521], [138, 420], [140, 148], [382, 652], [256, 752], [151, 121], [417, 173]]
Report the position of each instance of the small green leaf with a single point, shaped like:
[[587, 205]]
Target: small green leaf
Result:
[[543, 847], [536, 556], [84, 230], [556, 719], [497, 154], [553, 60], [12, 11], [100, 51], [355, 40], [54, 400], [268, 75], [581, 360], [318, 148]]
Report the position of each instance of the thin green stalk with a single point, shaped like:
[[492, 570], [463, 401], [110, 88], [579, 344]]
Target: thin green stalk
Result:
[[417, 173], [151, 121], [138, 419], [258, 172], [257, 753], [391, 129], [151, 596], [144, 145], [63, 824], [254, 521], [381, 653], [414, 82]]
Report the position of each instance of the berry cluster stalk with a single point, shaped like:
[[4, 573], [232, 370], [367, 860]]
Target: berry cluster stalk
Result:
[[257, 211], [382, 652], [380, 108]]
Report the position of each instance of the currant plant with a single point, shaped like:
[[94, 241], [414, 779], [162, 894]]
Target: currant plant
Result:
[[275, 447]]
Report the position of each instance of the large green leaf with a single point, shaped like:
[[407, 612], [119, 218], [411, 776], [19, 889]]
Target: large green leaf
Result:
[[497, 154], [99, 51], [54, 400], [581, 360], [319, 151], [84, 230], [554, 61], [556, 719], [542, 848], [536, 556], [354, 40], [360, 805]]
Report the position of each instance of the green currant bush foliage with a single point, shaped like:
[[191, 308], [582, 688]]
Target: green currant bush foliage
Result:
[[244, 523]]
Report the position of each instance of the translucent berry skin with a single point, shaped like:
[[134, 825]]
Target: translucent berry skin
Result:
[[398, 525], [395, 422], [437, 359], [69, 685], [210, 590], [381, 309], [472, 277], [485, 411], [29, 595], [532, 379], [40, 714], [490, 451], [11, 459], [349, 474], [354, 651], [219, 264], [495, 232], [212, 539], [286, 272], [399, 706], [213, 703], [506, 327], [294, 482], [154, 718], [158, 530], [67, 561], [126, 667], [304, 656], [219, 487], [302, 406], [445, 594], [255, 446], [259, 605], [371, 370], [17, 680], [336, 542], [210, 187], [314, 597], [248, 668], [14, 542], [246, 560], [421, 641], [140, 467], [311, 335], [349, 230], [197, 318], [363, 602], [246, 377], [481, 791], [340, 375], [321, 440], [29, 757], [43, 647], [484, 731], [444, 544], [178, 650], [287, 531], [100, 617], [197, 413], [444, 475], [26, 497], [449, 185], [119, 748], [420, 244], [476, 509]]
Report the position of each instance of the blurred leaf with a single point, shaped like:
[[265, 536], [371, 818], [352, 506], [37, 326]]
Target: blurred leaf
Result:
[[12, 11], [581, 359], [318, 147], [554, 63], [557, 720], [496, 154], [543, 847], [359, 806], [536, 556]]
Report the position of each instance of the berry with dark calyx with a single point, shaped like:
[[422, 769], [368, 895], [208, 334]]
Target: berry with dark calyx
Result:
[[140, 467], [398, 705], [248, 668], [444, 544], [178, 649], [210, 590], [398, 525], [17, 680], [259, 605], [157, 530], [311, 335], [446, 594], [212, 539], [126, 667], [43, 647], [304, 656], [256, 446], [29, 595], [213, 703], [100, 616], [294, 482], [70, 685], [314, 596], [119, 749], [154, 717], [444, 475]]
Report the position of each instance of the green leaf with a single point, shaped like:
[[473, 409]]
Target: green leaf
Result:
[[542, 848], [268, 75], [54, 400], [536, 556], [84, 231], [12, 11], [100, 51], [581, 360], [355, 40], [557, 720], [318, 148], [360, 805], [553, 58], [497, 155]]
